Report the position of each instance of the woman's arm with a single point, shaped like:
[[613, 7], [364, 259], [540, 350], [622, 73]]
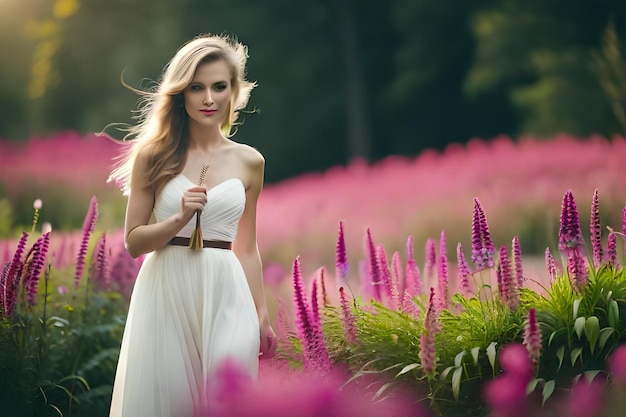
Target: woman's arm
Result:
[[246, 248], [142, 237]]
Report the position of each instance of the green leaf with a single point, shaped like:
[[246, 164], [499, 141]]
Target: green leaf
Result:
[[576, 306], [579, 326], [604, 336], [381, 390], [592, 329], [613, 314], [407, 368], [458, 359], [475, 352], [532, 385], [456, 382], [559, 354], [491, 354], [609, 295], [590, 375], [446, 371], [548, 389], [575, 354]]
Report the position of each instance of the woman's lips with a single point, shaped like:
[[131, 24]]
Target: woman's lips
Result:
[[208, 112]]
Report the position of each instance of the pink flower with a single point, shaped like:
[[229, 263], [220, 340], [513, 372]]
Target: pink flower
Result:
[[413, 282], [37, 204], [99, 268], [508, 284], [430, 259], [617, 364], [570, 235], [532, 338], [348, 320], [442, 273], [551, 265], [463, 270], [374, 272], [397, 279], [385, 273], [611, 249], [577, 269], [517, 261], [427, 339], [341, 259]]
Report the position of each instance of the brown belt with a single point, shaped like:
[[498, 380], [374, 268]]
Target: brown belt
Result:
[[184, 241]]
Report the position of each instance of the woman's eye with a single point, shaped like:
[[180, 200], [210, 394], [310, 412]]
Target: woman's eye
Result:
[[220, 87], [195, 87]]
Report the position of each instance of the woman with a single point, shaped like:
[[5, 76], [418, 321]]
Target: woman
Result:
[[192, 307]]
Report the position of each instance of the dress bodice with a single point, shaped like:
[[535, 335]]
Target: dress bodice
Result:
[[220, 217]]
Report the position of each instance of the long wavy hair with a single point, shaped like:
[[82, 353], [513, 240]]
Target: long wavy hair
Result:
[[161, 135]]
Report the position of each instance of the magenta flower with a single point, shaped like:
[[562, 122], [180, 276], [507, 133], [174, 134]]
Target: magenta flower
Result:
[[372, 264], [617, 365], [595, 232], [430, 259], [532, 338], [570, 234], [483, 249], [10, 279], [464, 271], [409, 307], [314, 353], [341, 259], [385, 273], [508, 284], [37, 263], [577, 270], [348, 320], [587, 399], [611, 249], [89, 226], [427, 339], [315, 310], [413, 281], [506, 395], [99, 264], [551, 265], [517, 261]]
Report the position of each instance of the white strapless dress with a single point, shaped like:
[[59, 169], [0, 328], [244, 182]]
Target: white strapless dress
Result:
[[189, 310]]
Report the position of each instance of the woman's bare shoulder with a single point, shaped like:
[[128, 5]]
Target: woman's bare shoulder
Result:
[[250, 155]]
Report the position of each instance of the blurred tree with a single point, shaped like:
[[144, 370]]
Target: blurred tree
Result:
[[541, 54]]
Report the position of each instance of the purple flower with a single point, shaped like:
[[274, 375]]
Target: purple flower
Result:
[[595, 232], [37, 263], [348, 320], [611, 249], [430, 259], [427, 339], [372, 263], [483, 249], [517, 261], [551, 265], [10, 279], [99, 264], [508, 284], [413, 282], [577, 270], [341, 259], [570, 234], [88, 227], [315, 307], [464, 271], [532, 338], [383, 267]]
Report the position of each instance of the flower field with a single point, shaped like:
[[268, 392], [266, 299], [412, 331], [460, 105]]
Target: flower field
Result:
[[484, 280]]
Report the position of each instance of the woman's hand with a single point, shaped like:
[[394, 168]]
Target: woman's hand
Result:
[[268, 340], [193, 200]]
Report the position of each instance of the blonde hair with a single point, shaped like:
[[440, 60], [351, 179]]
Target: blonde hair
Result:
[[161, 135]]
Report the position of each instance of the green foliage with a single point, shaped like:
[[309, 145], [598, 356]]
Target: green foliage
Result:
[[59, 357]]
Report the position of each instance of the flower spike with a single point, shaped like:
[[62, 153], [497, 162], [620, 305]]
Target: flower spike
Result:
[[595, 231]]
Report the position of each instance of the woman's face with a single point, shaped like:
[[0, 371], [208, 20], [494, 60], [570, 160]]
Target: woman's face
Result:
[[208, 94]]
